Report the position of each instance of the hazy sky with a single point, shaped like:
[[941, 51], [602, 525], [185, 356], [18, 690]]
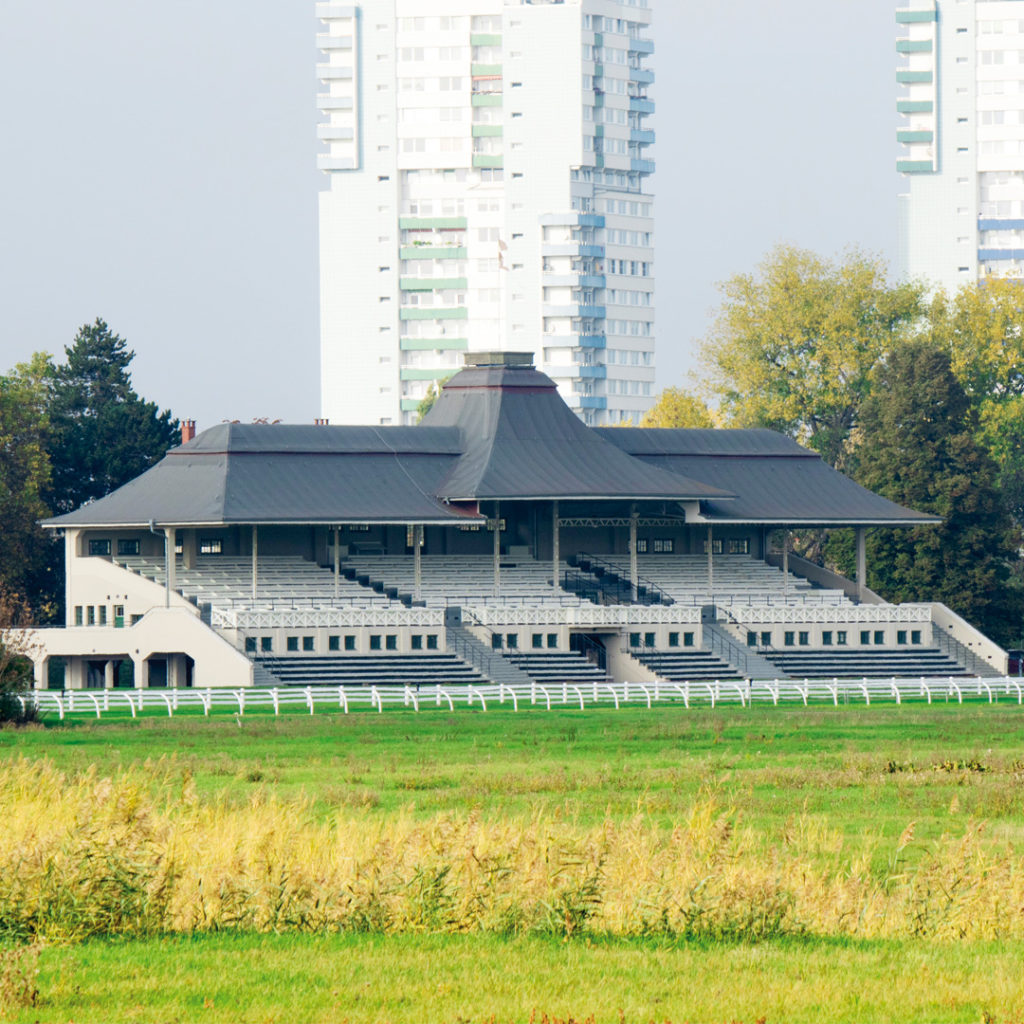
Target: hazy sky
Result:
[[158, 170]]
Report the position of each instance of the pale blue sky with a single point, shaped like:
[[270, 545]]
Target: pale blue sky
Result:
[[158, 171]]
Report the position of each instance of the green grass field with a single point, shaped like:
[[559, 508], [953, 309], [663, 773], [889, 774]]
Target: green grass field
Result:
[[867, 773]]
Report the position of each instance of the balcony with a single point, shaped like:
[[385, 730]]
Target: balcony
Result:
[[915, 106], [433, 252], [485, 70], [573, 310], [325, 102], [434, 344], [425, 223], [641, 75], [433, 313], [642, 136], [432, 284], [334, 133], [329, 42], [915, 166], [488, 160], [485, 39], [641, 104], [913, 46], [326, 162], [640, 46], [572, 248], [912, 77], [591, 372], [588, 341], [643, 166], [486, 99], [915, 136], [333, 73]]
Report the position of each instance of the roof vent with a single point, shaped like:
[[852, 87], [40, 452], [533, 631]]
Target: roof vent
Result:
[[523, 360]]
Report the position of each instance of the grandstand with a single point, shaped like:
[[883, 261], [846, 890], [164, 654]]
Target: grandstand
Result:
[[500, 540]]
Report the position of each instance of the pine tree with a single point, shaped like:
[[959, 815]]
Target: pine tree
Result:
[[917, 446]]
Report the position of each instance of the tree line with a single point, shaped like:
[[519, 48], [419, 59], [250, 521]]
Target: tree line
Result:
[[917, 395], [70, 432]]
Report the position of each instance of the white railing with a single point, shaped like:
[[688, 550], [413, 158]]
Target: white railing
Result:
[[347, 699], [325, 618], [586, 615], [832, 614]]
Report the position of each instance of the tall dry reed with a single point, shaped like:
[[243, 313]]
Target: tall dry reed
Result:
[[82, 855]]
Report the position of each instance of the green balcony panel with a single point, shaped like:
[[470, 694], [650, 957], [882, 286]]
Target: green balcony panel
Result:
[[914, 136], [912, 17], [599, 39], [910, 77], [433, 252], [484, 131], [485, 39], [488, 160], [913, 46], [484, 70], [410, 404], [486, 99], [432, 284], [449, 313], [915, 166], [425, 373], [413, 223], [915, 106], [434, 344]]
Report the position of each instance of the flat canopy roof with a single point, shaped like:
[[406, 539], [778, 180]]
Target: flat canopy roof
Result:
[[497, 433]]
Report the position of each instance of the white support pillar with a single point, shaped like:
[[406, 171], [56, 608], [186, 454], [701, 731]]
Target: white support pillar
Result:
[[337, 562], [417, 561], [255, 560], [497, 549], [108, 674], [862, 563], [785, 563], [634, 572], [40, 672], [70, 554], [170, 542], [711, 562], [556, 546]]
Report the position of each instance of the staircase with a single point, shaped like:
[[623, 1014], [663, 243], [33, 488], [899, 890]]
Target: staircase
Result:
[[372, 670], [750, 665], [597, 580], [488, 662]]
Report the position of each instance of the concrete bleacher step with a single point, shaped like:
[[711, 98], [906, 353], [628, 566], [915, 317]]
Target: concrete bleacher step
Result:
[[557, 667], [370, 670], [827, 664], [680, 666]]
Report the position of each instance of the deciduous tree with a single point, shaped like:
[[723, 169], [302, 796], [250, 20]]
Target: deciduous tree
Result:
[[677, 407]]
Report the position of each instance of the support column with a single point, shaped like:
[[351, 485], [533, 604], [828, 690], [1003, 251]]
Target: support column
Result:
[[711, 562], [170, 542], [337, 562], [255, 561], [108, 674], [417, 560], [556, 546], [785, 563], [40, 672], [497, 549], [634, 573], [189, 542], [862, 563], [70, 554]]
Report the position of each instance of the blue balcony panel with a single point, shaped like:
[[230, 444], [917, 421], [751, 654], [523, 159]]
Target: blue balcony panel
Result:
[[641, 105], [593, 372], [997, 224], [987, 255], [593, 402], [643, 166]]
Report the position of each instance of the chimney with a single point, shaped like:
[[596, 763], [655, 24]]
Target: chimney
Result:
[[188, 430], [321, 423]]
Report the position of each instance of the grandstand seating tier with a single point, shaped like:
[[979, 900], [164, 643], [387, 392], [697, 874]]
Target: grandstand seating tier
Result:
[[683, 666], [824, 664], [558, 667], [373, 670]]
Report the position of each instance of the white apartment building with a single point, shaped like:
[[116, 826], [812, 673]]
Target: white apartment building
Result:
[[489, 166], [962, 133]]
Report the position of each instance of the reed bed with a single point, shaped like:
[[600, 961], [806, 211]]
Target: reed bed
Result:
[[83, 855]]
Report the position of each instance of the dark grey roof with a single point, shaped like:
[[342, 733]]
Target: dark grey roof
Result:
[[245, 473], [522, 441], [775, 479]]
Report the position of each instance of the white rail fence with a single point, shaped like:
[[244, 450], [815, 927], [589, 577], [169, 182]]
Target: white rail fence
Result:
[[546, 696]]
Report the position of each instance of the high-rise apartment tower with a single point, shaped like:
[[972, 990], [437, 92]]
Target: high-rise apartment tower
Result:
[[962, 132], [489, 165]]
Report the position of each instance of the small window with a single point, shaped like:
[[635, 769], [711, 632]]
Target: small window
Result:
[[78, 615], [334, 643], [865, 636], [307, 643], [250, 645], [789, 638], [826, 638], [634, 639], [350, 643], [512, 641], [391, 642], [879, 636], [739, 546], [915, 636], [673, 639], [127, 547], [716, 546], [687, 639], [416, 642], [375, 641], [99, 548], [552, 641], [766, 639], [211, 546], [292, 643], [751, 638], [641, 545], [649, 640], [136, 618], [90, 615], [537, 641], [841, 638], [901, 636], [266, 644], [103, 614], [495, 641], [431, 641], [664, 545], [805, 638]]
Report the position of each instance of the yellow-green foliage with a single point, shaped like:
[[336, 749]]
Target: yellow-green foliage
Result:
[[82, 855]]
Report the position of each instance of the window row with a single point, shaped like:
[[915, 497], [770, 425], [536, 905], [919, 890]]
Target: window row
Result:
[[96, 615], [650, 639], [831, 638], [307, 644]]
